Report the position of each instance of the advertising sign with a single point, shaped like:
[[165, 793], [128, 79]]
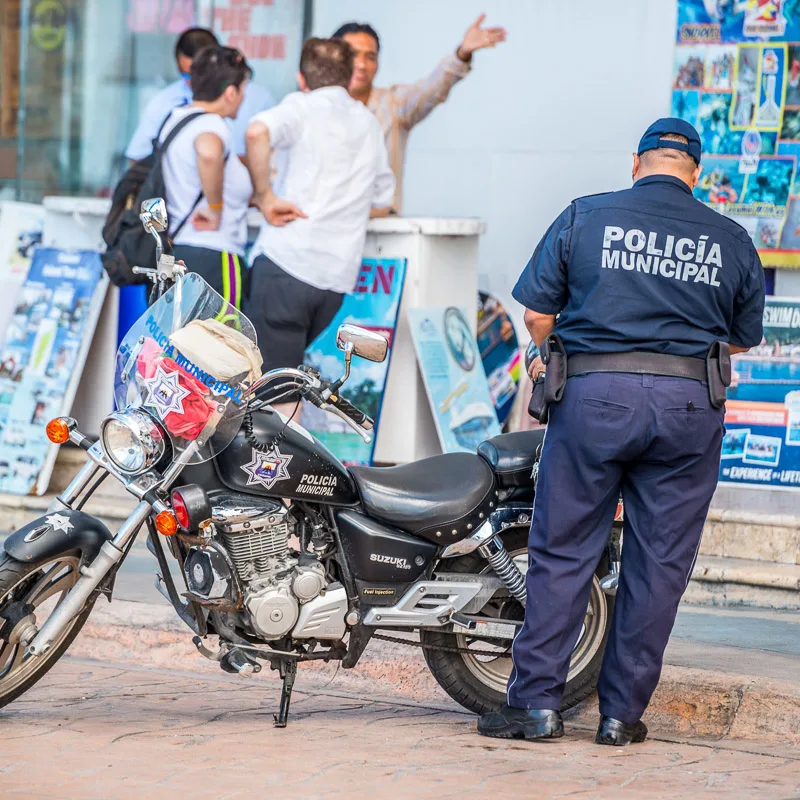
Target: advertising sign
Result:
[[500, 354], [454, 378], [20, 232], [268, 32], [762, 423], [42, 360], [737, 80], [374, 304]]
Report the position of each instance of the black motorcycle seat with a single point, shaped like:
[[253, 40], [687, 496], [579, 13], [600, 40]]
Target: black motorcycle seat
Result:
[[443, 498], [512, 456]]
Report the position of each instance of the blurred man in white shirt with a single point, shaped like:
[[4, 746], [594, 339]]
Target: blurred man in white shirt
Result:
[[308, 253]]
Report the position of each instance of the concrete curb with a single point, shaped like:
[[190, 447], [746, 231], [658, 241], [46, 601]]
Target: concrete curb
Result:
[[688, 702], [753, 518], [715, 569]]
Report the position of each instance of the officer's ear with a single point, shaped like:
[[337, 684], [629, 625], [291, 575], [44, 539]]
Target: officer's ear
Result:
[[637, 163], [696, 176]]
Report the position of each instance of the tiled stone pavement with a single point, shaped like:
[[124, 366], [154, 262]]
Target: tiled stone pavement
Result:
[[92, 730]]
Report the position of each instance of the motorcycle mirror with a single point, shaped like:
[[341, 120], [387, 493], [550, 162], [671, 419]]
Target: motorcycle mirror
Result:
[[154, 214], [362, 343], [531, 353]]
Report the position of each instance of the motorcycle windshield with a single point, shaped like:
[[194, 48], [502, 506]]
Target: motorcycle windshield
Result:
[[188, 362]]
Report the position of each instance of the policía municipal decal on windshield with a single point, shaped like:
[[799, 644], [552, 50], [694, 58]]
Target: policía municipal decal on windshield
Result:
[[170, 351], [165, 394], [266, 469]]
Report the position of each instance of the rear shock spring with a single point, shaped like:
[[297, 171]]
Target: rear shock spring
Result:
[[495, 553]]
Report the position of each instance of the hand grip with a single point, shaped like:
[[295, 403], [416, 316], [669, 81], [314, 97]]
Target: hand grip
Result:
[[355, 414]]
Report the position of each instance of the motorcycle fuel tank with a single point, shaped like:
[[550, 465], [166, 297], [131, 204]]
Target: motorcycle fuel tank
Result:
[[299, 467]]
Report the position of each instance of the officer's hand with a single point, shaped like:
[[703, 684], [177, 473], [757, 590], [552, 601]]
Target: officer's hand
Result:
[[536, 368], [280, 212]]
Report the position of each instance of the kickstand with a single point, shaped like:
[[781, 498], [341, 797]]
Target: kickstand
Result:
[[288, 672]]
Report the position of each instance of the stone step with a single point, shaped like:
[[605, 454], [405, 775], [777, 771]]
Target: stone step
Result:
[[718, 581], [752, 535]]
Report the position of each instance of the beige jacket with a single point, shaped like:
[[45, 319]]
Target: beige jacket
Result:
[[399, 108]]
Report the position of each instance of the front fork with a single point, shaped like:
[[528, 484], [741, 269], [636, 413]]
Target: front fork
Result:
[[91, 575], [113, 551]]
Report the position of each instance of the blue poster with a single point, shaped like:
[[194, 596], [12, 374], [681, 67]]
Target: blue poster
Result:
[[762, 420], [454, 377], [737, 80], [42, 358], [497, 341], [374, 305]]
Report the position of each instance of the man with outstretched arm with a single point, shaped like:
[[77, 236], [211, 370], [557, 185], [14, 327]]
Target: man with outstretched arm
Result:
[[402, 106]]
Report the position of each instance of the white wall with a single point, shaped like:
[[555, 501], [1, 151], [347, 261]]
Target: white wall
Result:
[[552, 114]]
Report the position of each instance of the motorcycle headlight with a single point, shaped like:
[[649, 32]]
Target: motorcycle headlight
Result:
[[132, 440]]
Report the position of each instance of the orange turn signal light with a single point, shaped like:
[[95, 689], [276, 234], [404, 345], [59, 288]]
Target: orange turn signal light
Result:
[[166, 524], [58, 430]]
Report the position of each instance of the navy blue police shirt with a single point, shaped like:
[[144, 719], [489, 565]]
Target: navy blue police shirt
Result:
[[647, 268]]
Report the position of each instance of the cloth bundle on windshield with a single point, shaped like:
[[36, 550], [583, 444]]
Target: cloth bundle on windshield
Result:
[[196, 403], [219, 350]]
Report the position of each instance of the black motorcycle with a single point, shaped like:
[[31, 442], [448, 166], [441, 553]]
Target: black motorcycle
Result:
[[286, 555]]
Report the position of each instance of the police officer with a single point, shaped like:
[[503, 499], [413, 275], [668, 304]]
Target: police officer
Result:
[[641, 285]]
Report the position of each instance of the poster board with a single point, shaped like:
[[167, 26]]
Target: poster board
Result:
[[762, 421], [500, 354], [454, 377], [42, 360], [374, 305], [21, 227], [736, 78]]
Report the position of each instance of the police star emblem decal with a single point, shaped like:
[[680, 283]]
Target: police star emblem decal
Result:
[[266, 469], [165, 394], [58, 522]]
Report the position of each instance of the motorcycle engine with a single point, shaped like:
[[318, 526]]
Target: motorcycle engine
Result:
[[255, 534]]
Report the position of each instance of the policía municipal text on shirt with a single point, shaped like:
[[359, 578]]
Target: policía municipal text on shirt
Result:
[[665, 255]]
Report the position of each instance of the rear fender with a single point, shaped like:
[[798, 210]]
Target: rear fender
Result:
[[56, 534]]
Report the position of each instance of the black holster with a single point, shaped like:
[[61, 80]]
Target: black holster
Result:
[[549, 388], [718, 369]]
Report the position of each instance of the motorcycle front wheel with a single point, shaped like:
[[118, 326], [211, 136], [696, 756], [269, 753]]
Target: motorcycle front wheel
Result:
[[28, 596], [478, 681]]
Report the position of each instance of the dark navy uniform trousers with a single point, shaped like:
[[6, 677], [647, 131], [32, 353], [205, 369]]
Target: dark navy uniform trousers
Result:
[[657, 440]]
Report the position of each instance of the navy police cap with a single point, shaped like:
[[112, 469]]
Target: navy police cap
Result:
[[652, 139]]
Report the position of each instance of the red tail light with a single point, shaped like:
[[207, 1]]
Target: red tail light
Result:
[[181, 511], [191, 507]]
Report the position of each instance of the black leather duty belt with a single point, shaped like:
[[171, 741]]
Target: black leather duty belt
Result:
[[640, 363]]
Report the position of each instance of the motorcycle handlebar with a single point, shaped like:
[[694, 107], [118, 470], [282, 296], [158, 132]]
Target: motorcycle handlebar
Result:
[[355, 414]]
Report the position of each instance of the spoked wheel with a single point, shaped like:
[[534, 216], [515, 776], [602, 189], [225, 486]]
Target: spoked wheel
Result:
[[28, 596], [478, 681]]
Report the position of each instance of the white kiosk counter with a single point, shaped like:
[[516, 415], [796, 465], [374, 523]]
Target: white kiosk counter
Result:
[[441, 270]]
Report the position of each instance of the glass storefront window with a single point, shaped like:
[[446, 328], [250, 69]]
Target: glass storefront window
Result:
[[77, 74]]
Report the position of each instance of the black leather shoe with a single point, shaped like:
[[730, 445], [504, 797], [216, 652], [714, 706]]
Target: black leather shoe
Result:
[[618, 734], [522, 723]]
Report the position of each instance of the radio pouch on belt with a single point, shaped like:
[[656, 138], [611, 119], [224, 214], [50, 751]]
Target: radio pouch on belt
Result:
[[549, 389], [718, 368]]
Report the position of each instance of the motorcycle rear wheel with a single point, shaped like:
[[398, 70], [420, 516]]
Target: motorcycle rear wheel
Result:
[[478, 682], [30, 594]]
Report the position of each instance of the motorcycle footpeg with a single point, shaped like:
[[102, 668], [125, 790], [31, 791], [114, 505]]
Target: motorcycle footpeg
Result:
[[237, 663], [610, 583], [463, 621]]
